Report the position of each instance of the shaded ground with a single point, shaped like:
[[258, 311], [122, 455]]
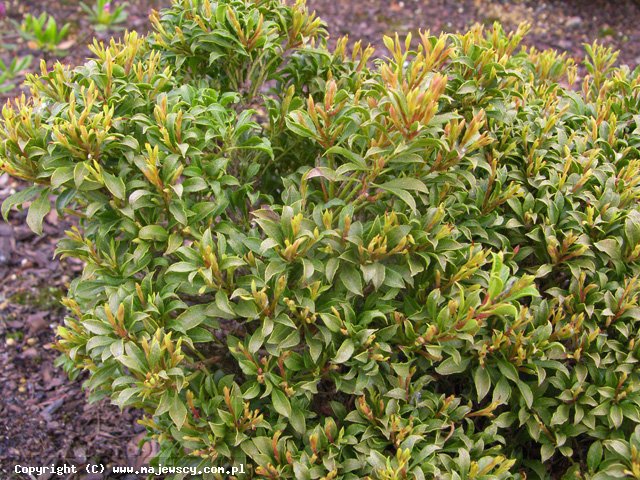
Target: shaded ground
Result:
[[44, 418]]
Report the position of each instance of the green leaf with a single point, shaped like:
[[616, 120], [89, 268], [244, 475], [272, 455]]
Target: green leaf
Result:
[[132, 363], [496, 279], [508, 370], [37, 211], [405, 196], [164, 404], [344, 352], [526, 393], [609, 246], [177, 411], [153, 233], [222, 302], [482, 381], [405, 183], [331, 267], [618, 447], [560, 416], [115, 185], [615, 414], [502, 391], [125, 395], [18, 198], [190, 318], [632, 228], [281, 403], [298, 421], [546, 452], [257, 339], [80, 173], [331, 321], [301, 124], [374, 273], [349, 155], [594, 456], [182, 267], [451, 367], [400, 186], [530, 291], [350, 278], [178, 211], [503, 309]]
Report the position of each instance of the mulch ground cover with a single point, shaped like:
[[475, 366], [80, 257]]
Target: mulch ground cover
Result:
[[44, 417]]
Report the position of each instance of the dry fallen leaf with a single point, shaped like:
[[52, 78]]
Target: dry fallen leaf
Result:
[[137, 456], [67, 44], [37, 322]]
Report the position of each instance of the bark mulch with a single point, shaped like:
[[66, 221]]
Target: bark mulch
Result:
[[44, 417]]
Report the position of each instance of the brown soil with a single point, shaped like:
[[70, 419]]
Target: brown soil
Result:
[[561, 24], [44, 417]]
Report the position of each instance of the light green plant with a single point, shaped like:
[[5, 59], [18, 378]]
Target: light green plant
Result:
[[43, 32], [9, 72]]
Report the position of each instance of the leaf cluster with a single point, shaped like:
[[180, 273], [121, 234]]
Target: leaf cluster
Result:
[[9, 71], [44, 31]]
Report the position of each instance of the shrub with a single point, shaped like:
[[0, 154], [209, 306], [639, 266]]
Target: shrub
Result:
[[323, 269]]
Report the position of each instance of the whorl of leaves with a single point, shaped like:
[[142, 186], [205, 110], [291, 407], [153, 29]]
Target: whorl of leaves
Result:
[[322, 269]]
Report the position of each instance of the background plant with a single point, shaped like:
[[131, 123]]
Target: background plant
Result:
[[322, 269], [43, 32], [105, 13], [10, 71]]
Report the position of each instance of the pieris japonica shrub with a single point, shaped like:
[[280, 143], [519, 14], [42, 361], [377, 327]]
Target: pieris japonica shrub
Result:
[[326, 266]]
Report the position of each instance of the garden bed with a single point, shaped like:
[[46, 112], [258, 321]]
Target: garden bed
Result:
[[43, 416]]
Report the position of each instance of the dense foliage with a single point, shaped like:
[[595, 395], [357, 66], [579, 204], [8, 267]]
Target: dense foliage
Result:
[[324, 269]]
